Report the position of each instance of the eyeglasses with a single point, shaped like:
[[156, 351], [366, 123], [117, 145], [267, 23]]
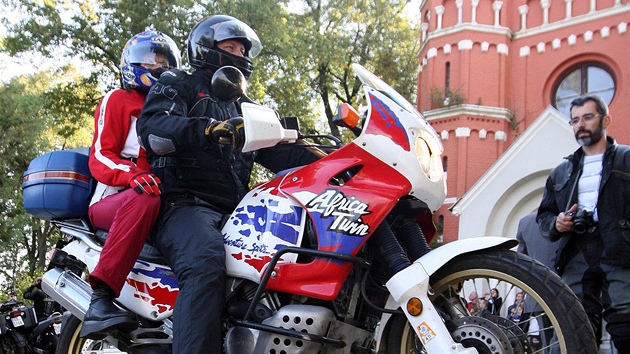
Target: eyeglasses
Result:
[[587, 118]]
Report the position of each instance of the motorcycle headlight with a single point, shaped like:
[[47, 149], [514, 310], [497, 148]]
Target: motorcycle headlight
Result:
[[428, 153]]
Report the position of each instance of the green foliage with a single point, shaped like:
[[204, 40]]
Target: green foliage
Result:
[[326, 37], [39, 115], [94, 31], [21, 104], [372, 33], [442, 96], [305, 64]]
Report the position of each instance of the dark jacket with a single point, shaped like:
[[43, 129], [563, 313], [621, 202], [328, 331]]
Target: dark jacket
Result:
[[171, 128], [38, 296], [613, 203]]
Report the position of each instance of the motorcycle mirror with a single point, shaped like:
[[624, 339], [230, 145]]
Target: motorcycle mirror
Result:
[[229, 84]]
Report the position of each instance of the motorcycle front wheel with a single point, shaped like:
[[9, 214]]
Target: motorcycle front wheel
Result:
[[71, 343], [561, 327]]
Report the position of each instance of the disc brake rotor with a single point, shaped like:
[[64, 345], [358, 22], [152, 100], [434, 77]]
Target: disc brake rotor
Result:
[[516, 336], [481, 334]]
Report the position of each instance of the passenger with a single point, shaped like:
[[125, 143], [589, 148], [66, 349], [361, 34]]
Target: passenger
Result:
[[126, 201]]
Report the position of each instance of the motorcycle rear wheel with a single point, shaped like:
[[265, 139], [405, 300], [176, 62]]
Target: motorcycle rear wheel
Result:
[[512, 272], [8, 346], [71, 343]]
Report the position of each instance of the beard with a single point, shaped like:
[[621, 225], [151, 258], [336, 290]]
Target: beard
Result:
[[593, 136]]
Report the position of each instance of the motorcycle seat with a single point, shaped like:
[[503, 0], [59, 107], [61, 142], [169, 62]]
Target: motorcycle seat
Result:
[[148, 253]]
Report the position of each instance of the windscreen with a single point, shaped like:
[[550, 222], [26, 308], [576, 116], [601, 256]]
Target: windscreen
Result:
[[369, 79]]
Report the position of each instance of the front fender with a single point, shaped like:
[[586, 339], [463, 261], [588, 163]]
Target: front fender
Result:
[[413, 281], [438, 257], [428, 264]]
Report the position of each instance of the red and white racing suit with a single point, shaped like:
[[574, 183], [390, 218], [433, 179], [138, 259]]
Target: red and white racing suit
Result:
[[115, 158]]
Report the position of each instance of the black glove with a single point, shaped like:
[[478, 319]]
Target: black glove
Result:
[[227, 132]]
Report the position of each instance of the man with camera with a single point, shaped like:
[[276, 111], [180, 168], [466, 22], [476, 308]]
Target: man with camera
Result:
[[586, 208]]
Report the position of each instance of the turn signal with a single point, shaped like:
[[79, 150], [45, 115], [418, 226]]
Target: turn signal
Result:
[[414, 306], [346, 116]]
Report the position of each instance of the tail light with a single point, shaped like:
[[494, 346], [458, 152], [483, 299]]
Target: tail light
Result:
[[16, 318]]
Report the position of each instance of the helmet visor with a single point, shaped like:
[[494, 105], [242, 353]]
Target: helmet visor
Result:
[[235, 29], [154, 53]]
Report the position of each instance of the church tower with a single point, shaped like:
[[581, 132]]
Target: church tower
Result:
[[488, 69]]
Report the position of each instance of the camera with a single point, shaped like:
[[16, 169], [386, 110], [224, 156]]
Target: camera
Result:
[[582, 220]]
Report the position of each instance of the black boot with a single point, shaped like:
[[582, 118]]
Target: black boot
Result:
[[103, 316]]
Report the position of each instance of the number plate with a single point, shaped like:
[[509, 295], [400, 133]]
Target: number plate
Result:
[[17, 321]]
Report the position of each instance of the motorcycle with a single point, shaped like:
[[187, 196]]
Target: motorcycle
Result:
[[330, 257], [21, 333], [7, 340]]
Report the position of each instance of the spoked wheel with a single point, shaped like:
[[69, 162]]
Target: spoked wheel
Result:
[[567, 328], [71, 343]]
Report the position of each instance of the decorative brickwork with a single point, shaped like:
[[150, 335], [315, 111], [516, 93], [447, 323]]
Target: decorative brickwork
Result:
[[506, 58]]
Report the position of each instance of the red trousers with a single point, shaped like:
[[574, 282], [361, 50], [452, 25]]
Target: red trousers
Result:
[[129, 216]]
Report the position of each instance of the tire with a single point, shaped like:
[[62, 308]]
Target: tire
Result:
[[71, 343], [511, 272], [8, 345], [46, 342]]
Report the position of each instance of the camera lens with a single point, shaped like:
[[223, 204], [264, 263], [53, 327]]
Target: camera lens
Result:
[[579, 227], [582, 221]]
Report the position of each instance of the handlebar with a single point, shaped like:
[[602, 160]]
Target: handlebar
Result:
[[337, 142]]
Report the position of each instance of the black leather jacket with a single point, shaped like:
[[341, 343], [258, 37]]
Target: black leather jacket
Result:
[[171, 128], [613, 203], [36, 294]]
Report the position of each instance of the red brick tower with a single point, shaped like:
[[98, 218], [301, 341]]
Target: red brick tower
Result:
[[488, 69]]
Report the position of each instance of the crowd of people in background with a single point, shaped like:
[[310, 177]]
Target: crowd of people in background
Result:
[[489, 304], [521, 312]]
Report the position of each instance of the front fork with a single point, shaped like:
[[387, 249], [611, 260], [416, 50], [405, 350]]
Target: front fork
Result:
[[428, 324]]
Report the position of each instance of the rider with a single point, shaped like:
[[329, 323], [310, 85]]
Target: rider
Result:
[[180, 126], [126, 201]]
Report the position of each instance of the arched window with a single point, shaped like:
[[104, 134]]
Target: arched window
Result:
[[447, 83], [593, 78], [447, 76]]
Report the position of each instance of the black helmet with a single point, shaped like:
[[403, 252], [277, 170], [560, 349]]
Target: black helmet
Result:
[[202, 44]]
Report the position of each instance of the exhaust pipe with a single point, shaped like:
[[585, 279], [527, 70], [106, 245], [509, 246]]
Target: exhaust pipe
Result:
[[74, 293], [65, 287]]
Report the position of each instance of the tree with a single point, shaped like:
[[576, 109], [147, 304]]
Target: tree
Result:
[[305, 64], [94, 32], [38, 117], [20, 102], [307, 52]]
